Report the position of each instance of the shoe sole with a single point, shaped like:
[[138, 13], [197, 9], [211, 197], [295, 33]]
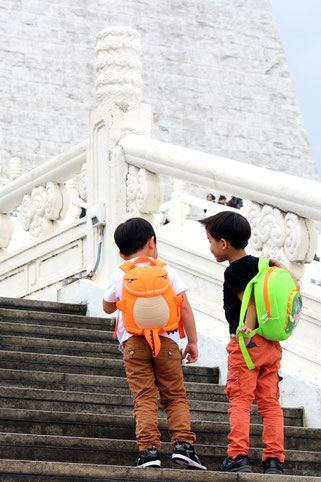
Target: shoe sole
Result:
[[273, 471], [244, 469], [154, 463], [182, 460]]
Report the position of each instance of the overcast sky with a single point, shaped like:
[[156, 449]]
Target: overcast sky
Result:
[[299, 25]]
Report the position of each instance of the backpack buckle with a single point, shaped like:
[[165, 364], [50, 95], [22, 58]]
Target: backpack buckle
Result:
[[265, 317]]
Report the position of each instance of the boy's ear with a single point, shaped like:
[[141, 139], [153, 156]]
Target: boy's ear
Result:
[[123, 256], [225, 243], [151, 242]]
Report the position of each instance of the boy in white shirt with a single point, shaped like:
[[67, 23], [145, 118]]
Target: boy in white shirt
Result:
[[136, 238]]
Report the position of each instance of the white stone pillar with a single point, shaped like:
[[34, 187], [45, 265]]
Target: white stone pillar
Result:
[[14, 168], [178, 209], [119, 111]]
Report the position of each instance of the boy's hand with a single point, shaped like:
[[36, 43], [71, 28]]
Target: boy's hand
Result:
[[246, 332], [282, 265], [191, 351], [278, 263]]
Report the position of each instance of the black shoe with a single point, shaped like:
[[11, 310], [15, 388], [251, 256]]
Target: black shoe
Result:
[[149, 458], [272, 465], [185, 454], [240, 463]]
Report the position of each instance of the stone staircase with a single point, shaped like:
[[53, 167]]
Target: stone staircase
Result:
[[66, 411]]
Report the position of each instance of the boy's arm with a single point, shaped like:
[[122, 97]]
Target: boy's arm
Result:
[[281, 265], [109, 307], [188, 322], [111, 292], [250, 318]]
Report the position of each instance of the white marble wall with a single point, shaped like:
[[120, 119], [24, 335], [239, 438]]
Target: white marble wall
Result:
[[214, 72]]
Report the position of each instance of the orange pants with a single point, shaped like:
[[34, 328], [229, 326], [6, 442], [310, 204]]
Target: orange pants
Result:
[[145, 375], [262, 384]]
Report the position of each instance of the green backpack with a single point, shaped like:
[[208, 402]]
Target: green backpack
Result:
[[278, 305]]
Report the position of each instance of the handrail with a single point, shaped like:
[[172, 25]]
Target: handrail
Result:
[[58, 169], [265, 186]]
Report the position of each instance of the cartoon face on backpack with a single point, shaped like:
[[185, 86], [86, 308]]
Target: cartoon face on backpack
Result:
[[148, 298], [149, 305], [295, 310]]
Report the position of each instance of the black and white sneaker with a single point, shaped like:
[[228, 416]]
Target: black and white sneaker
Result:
[[185, 454], [148, 458]]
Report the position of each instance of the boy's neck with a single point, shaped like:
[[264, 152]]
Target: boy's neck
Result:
[[236, 254], [140, 254]]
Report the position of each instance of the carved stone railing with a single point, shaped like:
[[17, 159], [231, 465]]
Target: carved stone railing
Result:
[[41, 195], [281, 214], [44, 227]]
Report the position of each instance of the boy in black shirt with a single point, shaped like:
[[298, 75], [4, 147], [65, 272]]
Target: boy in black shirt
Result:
[[228, 234]]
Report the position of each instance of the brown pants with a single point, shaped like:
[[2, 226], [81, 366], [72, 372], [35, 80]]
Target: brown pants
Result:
[[145, 375], [262, 384]]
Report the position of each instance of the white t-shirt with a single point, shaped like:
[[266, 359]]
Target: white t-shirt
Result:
[[113, 293]]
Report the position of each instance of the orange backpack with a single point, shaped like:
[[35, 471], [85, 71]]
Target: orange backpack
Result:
[[149, 305]]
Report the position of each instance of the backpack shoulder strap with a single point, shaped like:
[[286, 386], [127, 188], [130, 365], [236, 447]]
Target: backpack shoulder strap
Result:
[[264, 263], [159, 263], [262, 266], [126, 266], [143, 259]]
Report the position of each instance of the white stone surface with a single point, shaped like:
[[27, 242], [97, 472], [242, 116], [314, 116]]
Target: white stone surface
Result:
[[213, 70]]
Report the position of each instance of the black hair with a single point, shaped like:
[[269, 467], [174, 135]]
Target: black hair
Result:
[[233, 227], [132, 235]]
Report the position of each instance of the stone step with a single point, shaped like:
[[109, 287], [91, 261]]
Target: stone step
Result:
[[57, 346], [65, 402], [124, 452], [56, 332], [42, 306], [61, 363], [97, 384], [33, 399], [88, 365], [81, 424], [56, 319], [33, 471]]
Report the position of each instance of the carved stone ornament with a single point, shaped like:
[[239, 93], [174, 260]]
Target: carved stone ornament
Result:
[[118, 65], [38, 199], [56, 201], [144, 192], [6, 230], [39, 210], [40, 226], [82, 182], [131, 191], [301, 240], [282, 236], [253, 218], [26, 212]]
